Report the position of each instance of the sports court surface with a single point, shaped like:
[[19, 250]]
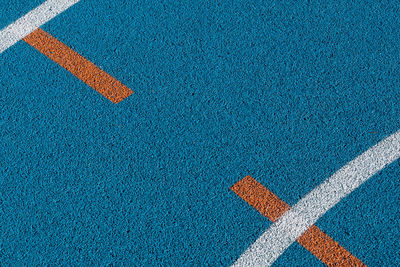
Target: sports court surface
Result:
[[199, 133]]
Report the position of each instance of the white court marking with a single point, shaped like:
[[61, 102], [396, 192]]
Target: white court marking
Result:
[[31, 21], [285, 231]]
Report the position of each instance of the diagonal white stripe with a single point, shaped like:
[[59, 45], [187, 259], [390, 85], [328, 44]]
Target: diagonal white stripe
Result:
[[31, 21], [273, 242]]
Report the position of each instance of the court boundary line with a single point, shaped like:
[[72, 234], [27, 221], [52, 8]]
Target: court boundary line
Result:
[[288, 228], [32, 20], [318, 243]]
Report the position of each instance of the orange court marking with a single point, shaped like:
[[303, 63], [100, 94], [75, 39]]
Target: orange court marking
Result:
[[314, 240], [79, 66], [260, 198]]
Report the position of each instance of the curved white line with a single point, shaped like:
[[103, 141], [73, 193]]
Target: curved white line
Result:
[[31, 21], [274, 241]]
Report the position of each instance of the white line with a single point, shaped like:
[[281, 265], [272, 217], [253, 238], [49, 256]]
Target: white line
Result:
[[31, 21], [274, 241]]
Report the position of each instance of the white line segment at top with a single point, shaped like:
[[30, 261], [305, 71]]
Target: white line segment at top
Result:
[[285, 231], [31, 21]]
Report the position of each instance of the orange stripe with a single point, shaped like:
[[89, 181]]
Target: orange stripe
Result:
[[314, 240], [326, 249], [79, 66], [260, 198]]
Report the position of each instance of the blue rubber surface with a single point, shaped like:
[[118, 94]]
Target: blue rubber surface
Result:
[[11, 10], [285, 92]]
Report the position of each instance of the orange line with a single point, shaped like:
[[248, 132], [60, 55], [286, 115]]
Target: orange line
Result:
[[326, 249], [314, 240], [260, 198], [79, 66]]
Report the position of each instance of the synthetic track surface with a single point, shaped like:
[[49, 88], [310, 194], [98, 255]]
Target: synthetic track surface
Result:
[[285, 92]]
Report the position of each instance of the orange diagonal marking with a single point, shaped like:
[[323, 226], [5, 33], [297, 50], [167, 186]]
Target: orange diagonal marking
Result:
[[79, 66], [260, 198], [326, 249], [314, 240]]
